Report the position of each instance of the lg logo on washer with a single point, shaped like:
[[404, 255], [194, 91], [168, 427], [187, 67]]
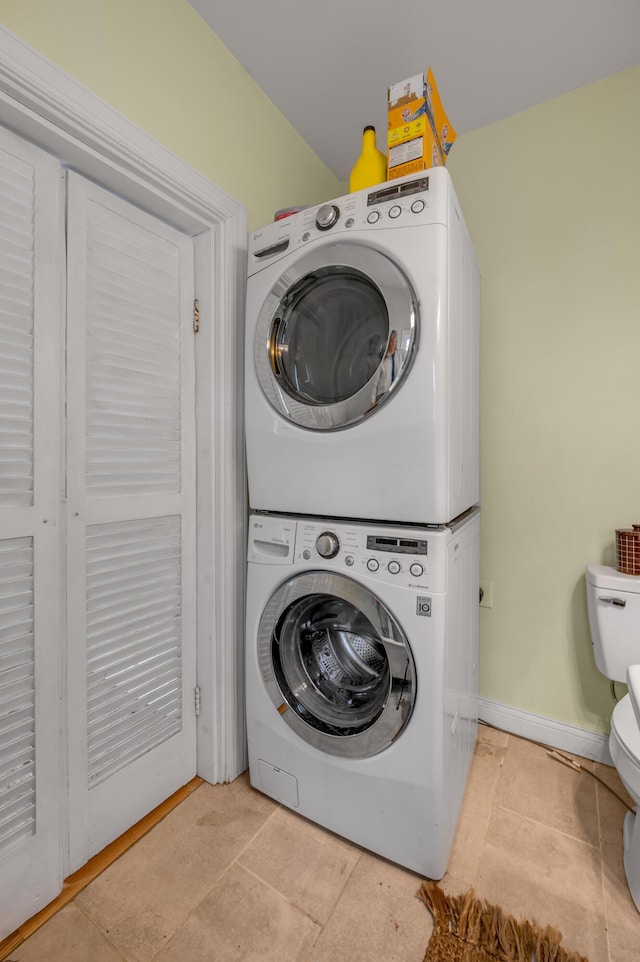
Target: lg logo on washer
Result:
[[423, 606]]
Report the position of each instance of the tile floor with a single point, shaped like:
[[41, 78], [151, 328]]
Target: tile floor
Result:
[[229, 875]]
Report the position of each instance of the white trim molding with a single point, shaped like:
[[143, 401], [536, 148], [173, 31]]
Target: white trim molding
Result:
[[41, 103], [547, 731]]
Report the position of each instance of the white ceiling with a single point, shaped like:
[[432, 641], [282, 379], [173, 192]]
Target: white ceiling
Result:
[[326, 65]]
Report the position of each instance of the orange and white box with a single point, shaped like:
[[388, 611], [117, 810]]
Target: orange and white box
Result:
[[419, 133]]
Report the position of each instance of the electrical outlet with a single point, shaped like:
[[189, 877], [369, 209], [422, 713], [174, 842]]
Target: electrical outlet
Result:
[[486, 594]]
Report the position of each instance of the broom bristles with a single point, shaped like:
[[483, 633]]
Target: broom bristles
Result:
[[467, 929]]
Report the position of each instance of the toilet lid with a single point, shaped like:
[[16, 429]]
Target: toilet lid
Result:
[[603, 576], [625, 727]]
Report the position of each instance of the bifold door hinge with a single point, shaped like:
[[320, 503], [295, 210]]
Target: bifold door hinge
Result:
[[196, 316], [196, 699]]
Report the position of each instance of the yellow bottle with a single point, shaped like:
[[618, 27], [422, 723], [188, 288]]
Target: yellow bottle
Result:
[[371, 166]]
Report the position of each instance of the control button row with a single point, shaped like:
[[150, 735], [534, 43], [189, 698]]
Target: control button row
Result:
[[394, 567], [416, 208]]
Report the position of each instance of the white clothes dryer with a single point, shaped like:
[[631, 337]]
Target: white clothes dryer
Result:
[[335, 424], [361, 677]]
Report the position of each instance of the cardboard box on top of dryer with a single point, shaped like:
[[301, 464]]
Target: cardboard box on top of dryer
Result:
[[419, 134]]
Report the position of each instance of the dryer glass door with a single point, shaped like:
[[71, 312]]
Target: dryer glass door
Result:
[[336, 664], [335, 336]]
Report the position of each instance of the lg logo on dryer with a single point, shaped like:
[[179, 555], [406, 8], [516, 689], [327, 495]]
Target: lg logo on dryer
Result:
[[423, 606]]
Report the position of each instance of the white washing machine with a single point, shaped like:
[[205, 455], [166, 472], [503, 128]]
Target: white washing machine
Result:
[[361, 677], [335, 424]]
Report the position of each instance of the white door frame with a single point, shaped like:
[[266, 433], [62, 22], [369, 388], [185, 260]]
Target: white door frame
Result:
[[40, 102]]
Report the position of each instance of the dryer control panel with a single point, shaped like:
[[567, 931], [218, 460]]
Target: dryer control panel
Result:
[[411, 201]]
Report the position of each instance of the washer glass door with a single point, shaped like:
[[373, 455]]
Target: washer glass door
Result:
[[337, 665], [335, 336]]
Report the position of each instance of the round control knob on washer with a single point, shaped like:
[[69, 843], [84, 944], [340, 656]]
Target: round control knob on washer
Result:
[[327, 544], [373, 217], [372, 564], [393, 567], [395, 211], [349, 561], [417, 206], [327, 216], [416, 569]]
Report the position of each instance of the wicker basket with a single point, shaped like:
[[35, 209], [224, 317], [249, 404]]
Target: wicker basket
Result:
[[628, 550]]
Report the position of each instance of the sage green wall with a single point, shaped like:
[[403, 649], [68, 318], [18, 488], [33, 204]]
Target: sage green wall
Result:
[[552, 200], [157, 63]]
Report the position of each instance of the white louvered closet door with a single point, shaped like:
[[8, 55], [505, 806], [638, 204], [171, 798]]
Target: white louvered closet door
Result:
[[131, 514], [30, 308]]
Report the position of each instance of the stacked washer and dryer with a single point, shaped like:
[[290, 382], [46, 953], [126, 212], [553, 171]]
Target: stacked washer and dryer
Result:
[[363, 467]]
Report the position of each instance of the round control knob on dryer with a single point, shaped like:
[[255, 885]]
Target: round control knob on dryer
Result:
[[393, 567], [327, 216], [327, 544], [372, 564], [416, 569]]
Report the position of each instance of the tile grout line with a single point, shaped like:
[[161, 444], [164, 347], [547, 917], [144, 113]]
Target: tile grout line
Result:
[[255, 836], [335, 904], [104, 935], [602, 880], [551, 828], [494, 804], [321, 925], [216, 881], [281, 895], [535, 821]]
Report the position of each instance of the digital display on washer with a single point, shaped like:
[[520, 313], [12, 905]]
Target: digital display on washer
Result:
[[397, 191], [396, 545]]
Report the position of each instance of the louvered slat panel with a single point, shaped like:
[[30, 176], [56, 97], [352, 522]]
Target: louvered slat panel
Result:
[[17, 206], [162, 586], [16, 815], [17, 692], [134, 668], [107, 705], [133, 361], [134, 614]]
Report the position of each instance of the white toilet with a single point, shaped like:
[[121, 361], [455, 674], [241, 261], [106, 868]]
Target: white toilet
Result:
[[614, 617]]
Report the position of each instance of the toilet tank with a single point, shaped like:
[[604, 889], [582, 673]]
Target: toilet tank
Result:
[[613, 600]]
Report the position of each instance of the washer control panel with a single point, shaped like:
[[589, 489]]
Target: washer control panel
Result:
[[414, 559], [407, 557]]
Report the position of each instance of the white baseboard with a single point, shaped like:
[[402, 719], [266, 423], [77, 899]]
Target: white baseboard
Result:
[[548, 731]]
